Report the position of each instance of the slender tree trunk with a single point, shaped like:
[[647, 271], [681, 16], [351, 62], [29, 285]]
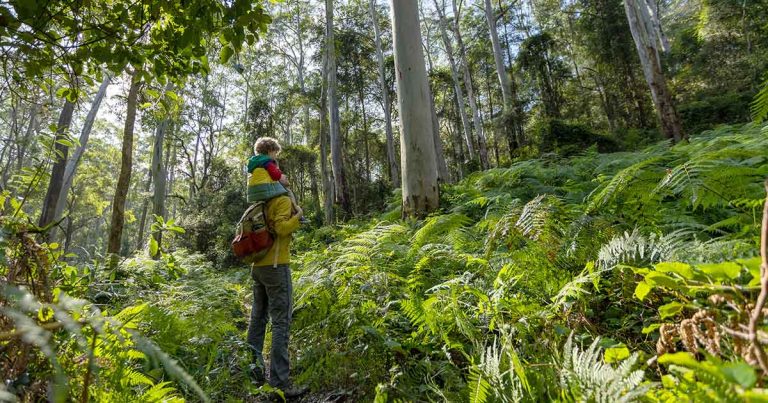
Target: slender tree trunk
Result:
[[490, 18], [457, 143], [57, 171], [144, 210], [417, 156], [85, 133], [442, 168], [32, 129], [490, 114], [456, 82], [518, 126], [365, 126], [325, 173], [394, 170], [159, 175], [337, 161], [644, 34], [470, 90], [124, 178], [300, 74]]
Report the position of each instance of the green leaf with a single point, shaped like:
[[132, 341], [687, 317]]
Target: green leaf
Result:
[[753, 265], [684, 270], [740, 373], [642, 290], [656, 278], [172, 95], [153, 247], [226, 53], [616, 354], [176, 229], [651, 328], [720, 271], [683, 359], [670, 309]]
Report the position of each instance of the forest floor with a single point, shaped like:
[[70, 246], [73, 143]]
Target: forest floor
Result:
[[558, 278]]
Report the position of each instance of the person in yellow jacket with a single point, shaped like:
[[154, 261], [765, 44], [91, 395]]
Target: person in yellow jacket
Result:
[[272, 297]]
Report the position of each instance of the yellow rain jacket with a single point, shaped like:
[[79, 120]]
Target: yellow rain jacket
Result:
[[282, 223]]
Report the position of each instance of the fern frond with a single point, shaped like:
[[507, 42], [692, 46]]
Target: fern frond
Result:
[[478, 386], [585, 377], [760, 104], [171, 366]]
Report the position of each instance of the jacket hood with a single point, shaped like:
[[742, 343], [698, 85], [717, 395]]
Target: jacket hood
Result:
[[258, 161]]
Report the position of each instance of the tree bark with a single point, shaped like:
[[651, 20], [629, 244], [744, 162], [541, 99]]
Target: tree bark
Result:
[[417, 155], [456, 83], [646, 41], [497, 56], [394, 170], [442, 168], [159, 175], [124, 178], [85, 133], [337, 161], [470, 89], [144, 210], [324, 171], [57, 171]]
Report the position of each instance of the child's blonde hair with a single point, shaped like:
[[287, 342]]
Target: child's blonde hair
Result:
[[266, 145]]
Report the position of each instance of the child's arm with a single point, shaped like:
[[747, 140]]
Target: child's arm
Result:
[[274, 171]]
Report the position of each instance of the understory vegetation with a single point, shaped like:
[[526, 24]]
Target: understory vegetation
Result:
[[597, 277]]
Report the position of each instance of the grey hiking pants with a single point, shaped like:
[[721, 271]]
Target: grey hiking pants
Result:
[[272, 295]]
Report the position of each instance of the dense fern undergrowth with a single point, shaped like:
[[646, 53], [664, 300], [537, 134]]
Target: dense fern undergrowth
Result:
[[600, 277]]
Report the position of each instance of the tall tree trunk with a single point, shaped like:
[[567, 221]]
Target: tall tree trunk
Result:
[[366, 150], [337, 161], [470, 89], [518, 127], [490, 114], [646, 41], [124, 178], [85, 133], [456, 81], [442, 168], [325, 173], [394, 169], [417, 155], [57, 171], [300, 74], [144, 211], [159, 175], [490, 18]]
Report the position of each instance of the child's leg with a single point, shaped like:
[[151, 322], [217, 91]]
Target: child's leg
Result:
[[293, 198]]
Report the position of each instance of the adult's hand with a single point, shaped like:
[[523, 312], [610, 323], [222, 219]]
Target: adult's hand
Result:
[[299, 212]]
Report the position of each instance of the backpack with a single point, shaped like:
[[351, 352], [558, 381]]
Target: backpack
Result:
[[253, 238]]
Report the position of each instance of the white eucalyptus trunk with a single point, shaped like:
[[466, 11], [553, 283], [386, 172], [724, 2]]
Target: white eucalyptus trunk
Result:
[[484, 164], [394, 169], [417, 151], [85, 134], [646, 40], [337, 160], [467, 131], [159, 175], [497, 56], [57, 171]]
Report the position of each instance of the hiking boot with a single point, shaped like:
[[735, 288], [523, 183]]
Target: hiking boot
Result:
[[293, 391], [257, 375]]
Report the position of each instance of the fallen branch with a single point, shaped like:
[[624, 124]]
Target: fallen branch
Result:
[[757, 312]]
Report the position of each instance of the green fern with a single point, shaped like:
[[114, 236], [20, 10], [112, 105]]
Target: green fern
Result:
[[760, 104], [585, 377]]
